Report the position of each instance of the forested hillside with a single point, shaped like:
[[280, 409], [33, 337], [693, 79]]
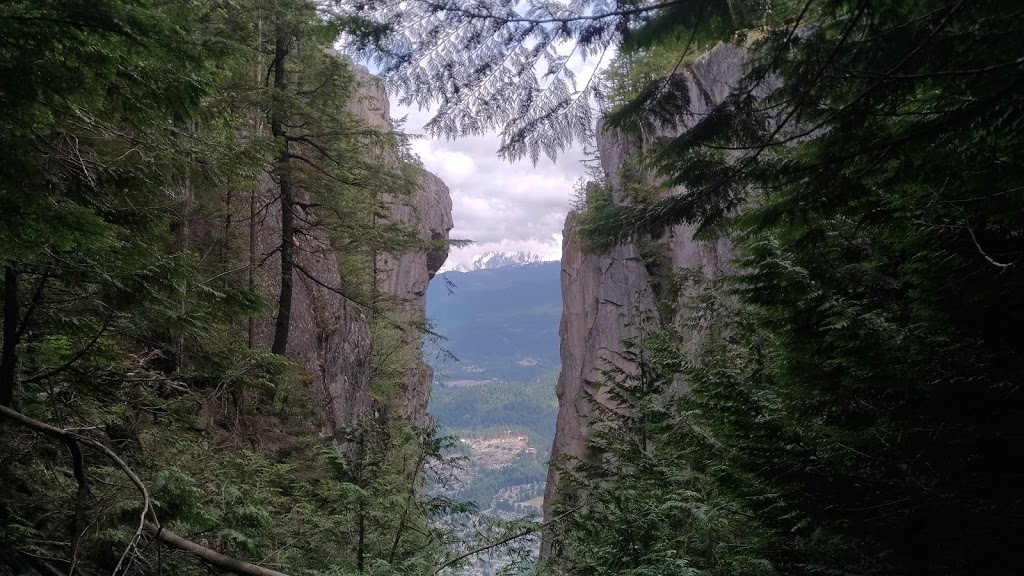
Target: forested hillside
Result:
[[498, 411], [498, 399], [501, 324], [840, 393], [209, 235]]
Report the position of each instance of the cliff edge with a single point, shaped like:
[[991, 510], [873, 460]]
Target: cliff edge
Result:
[[602, 292], [332, 337]]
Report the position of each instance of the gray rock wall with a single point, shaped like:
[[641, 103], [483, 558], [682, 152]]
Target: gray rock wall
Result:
[[428, 210], [330, 335], [405, 277], [601, 292]]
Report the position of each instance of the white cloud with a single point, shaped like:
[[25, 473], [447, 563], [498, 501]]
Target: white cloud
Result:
[[499, 205]]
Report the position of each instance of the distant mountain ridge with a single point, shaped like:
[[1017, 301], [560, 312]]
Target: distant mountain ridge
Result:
[[501, 322], [500, 259]]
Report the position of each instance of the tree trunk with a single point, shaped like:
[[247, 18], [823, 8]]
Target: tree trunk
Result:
[[282, 170], [257, 128], [361, 545], [9, 355], [251, 328], [225, 247], [211, 557]]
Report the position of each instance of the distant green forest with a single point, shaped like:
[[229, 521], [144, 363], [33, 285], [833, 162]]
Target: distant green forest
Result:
[[493, 319], [492, 408], [501, 405]]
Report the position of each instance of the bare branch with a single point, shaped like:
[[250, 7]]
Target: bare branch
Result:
[[983, 253], [72, 437], [208, 555]]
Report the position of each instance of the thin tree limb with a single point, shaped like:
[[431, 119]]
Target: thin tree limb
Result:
[[504, 540], [153, 527], [983, 253], [66, 436]]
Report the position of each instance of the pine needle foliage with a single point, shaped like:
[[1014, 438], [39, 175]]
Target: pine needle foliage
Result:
[[652, 494], [857, 408], [494, 65], [864, 399], [137, 156]]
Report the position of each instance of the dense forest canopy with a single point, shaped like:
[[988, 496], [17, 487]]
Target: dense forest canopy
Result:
[[177, 178], [856, 406], [853, 393]]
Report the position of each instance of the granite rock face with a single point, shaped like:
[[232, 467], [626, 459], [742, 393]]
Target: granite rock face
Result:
[[331, 336], [599, 293], [602, 292], [405, 277]]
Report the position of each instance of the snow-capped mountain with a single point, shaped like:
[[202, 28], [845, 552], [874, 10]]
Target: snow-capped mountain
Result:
[[492, 260]]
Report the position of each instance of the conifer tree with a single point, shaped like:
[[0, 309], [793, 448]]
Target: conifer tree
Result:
[[133, 415], [864, 405]]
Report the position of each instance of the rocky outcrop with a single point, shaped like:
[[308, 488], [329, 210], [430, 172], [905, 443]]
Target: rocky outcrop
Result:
[[601, 293], [405, 278], [331, 336]]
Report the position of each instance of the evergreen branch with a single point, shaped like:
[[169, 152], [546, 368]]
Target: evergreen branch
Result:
[[323, 171], [330, 288], [123, 32], [78, 356], [888, 75], [504, 20]]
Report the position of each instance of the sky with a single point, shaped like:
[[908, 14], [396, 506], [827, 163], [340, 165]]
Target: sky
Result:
[[501, 206]]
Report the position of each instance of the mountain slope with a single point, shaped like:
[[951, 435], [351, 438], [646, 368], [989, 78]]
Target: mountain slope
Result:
[[501, 323], [497, 259]]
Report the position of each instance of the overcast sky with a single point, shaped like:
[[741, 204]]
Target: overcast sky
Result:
[[498, 205]]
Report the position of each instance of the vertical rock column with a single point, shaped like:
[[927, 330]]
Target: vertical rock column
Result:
[[601, 293], [405, 277], [330, 335], [428, 211]]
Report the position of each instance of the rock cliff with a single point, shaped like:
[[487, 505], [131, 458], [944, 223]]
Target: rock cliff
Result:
[[428, 211], [405, 277], [602, 292], [331, 336]]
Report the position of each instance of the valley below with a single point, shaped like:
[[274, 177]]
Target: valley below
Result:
[[494, 390]]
